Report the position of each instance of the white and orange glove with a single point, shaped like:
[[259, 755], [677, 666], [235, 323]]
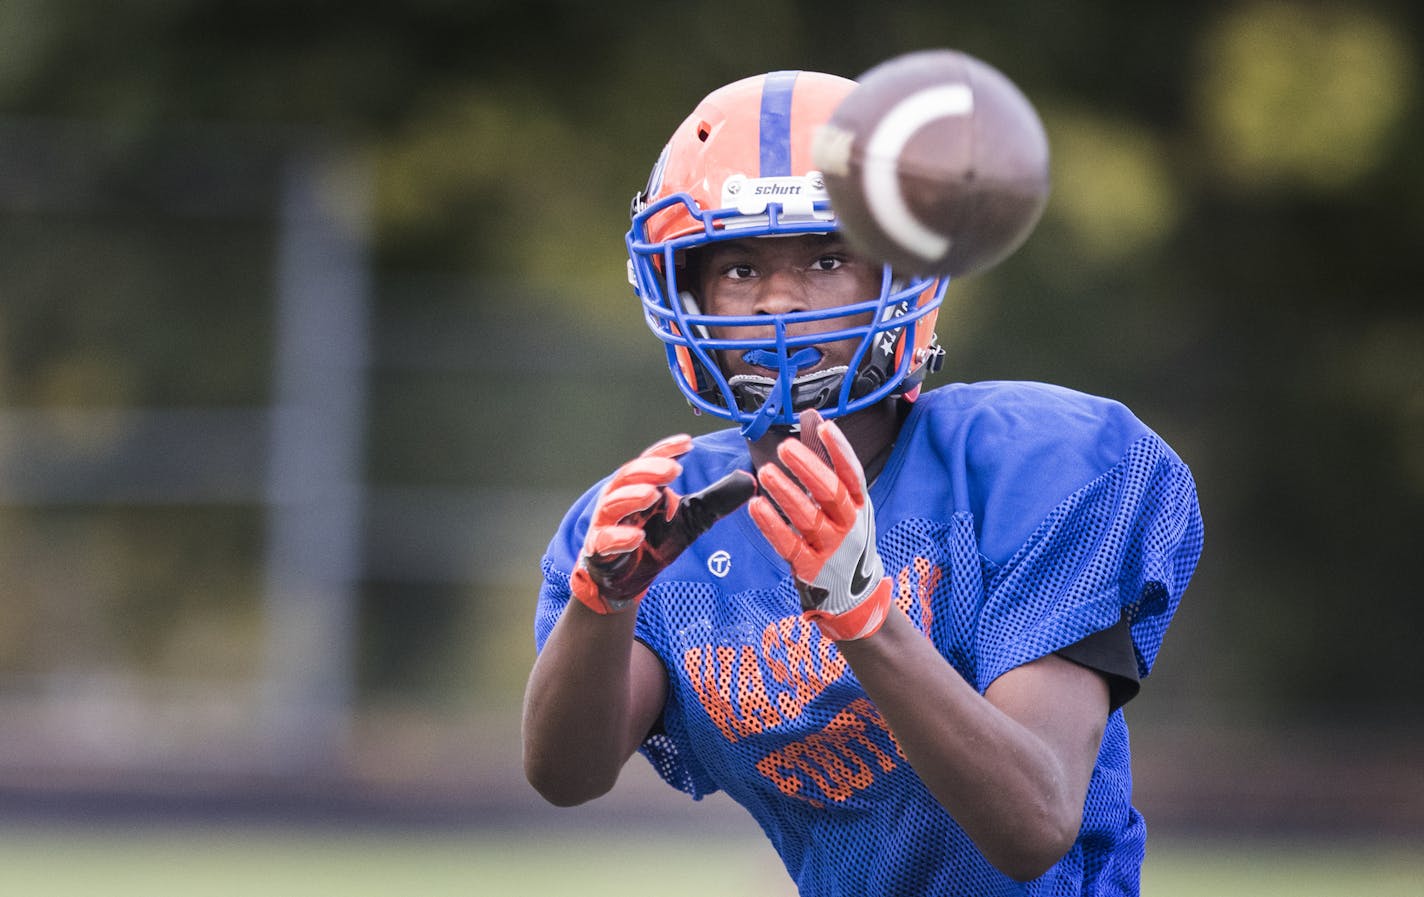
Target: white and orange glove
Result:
[[825, 530], [640, 525]]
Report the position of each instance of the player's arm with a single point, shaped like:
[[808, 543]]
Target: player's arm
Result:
[[595, 692], [593, 696], [1012, 766]]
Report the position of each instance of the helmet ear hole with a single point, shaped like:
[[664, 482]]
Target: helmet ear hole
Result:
[[696, 374], [694, 370]]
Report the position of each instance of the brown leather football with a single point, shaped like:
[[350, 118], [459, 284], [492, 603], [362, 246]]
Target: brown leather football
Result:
[[936, 163]]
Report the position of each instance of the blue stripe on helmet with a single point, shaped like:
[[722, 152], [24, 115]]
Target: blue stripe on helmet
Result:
[[776, 124]]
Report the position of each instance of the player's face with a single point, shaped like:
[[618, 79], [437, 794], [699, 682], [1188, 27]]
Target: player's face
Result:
[[777, 275]]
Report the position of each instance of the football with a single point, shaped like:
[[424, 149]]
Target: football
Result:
[[935, 163]]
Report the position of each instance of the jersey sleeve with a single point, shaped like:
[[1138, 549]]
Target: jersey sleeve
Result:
[[558, 565], [1123, 546], [666, 747], [710, 459]]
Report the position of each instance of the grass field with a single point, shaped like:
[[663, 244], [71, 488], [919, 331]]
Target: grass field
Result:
[[208, 862]]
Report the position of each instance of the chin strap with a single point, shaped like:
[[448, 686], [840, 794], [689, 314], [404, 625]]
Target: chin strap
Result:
[[756, 428]]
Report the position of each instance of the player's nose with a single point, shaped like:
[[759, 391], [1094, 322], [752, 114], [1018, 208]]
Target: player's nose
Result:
[[783, 290]]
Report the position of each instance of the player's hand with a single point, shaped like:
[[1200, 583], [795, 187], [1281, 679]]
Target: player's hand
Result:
[[825, 529], [640, 525]]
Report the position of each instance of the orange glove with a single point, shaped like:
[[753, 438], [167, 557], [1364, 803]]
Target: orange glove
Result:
[[825, 530], [640, 525]]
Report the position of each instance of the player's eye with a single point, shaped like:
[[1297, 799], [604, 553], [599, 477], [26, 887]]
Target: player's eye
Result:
[[828, 263], [739, 271]]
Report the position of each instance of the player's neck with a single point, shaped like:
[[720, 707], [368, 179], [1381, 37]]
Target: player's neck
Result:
[[871, 432]]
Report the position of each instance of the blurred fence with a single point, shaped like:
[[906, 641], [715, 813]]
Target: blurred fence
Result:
[[185, 335], [249, 490]]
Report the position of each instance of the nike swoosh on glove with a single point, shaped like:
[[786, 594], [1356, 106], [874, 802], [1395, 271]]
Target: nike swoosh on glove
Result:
[[823, 524], [640, 525]]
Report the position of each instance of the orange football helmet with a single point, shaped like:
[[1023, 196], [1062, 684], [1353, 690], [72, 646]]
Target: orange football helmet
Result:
[[740, 166]]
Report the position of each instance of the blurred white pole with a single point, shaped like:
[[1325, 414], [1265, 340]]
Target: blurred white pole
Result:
[[315, 475]]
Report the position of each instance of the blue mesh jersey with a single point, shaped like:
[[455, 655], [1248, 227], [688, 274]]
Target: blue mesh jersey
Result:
[[1014, 519]]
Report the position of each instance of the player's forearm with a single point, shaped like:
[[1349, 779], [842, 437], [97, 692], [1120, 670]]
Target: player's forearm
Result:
[[1003, 784], [577, 725]]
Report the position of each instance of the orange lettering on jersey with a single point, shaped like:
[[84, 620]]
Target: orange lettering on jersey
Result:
[[902, 591], [757, 712], [831, 761], [746, 689], [771, 766], [849, 726], [809, 758], [770, 649], [713, 683], [800, 658], [930, 575], [847, 771], [920, 591], [711, 670], [866, 709]]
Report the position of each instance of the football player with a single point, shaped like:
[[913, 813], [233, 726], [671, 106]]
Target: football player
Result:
[[898, 625]]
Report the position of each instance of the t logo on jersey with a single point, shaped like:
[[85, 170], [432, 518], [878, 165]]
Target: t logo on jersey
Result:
[[720, 563]]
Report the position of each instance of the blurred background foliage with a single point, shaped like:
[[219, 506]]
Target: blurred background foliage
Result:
[[1232, 248]]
